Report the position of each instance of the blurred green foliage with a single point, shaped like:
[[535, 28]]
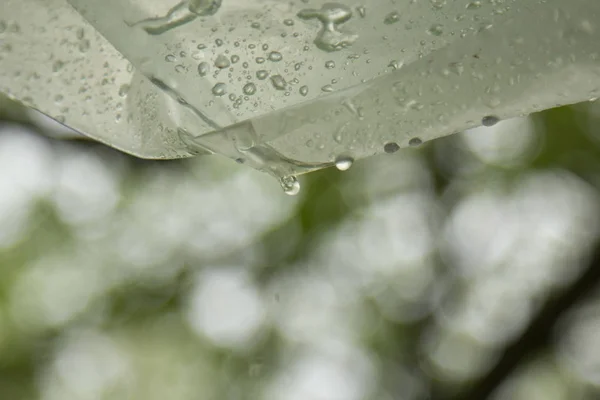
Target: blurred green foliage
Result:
[[305, 303]]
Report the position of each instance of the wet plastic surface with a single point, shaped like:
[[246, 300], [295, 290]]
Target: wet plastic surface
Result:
[[295, 86]]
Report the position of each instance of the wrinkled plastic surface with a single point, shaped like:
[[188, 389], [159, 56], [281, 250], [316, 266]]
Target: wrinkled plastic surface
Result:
[[310, 80]]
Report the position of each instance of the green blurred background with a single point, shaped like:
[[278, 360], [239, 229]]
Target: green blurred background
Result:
[[462, 269]]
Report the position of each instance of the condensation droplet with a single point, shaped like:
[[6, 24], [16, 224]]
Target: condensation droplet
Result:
[[473, 5], [414, 142], [249, 89], [262, 74], [203, 68], [391, 147], [222, 61], [331, 15], [395, 64], [304, 90], [362, 11], [391, 18], [489, 120], [219, 89], [436, 30], [204, 7], [275, 56], [278, 82], [437, 4], [123, 90]]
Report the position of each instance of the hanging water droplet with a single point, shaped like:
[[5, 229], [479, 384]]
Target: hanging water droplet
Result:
[[288, 22], [290, 185], [327, 88], [330, 64], [414, 142], [222, 61], [343, 163], [235, 58], [249, 89], [203, 68], [391, 147], [489, 120], [219, 89], [304, 90], [278, 82]]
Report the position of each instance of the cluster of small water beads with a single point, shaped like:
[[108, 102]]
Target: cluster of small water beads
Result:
[[330, 38]]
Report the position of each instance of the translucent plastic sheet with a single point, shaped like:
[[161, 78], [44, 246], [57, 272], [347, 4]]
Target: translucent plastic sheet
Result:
[[289, 87]]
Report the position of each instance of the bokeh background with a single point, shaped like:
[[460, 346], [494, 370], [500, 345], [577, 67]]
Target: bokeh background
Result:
[[466, 268]]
